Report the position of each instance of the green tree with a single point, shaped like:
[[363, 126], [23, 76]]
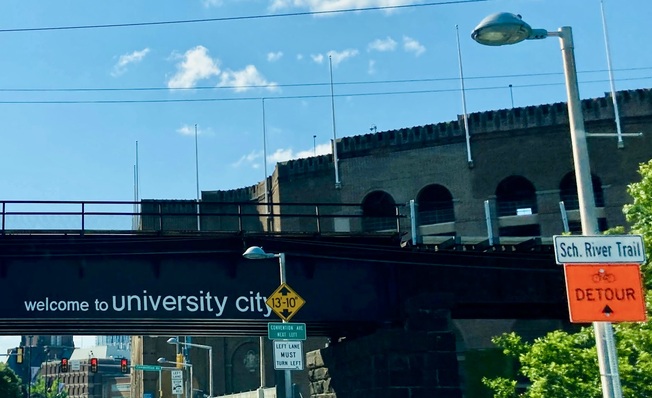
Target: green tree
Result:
[[55, 389], [639, 212], [10, 384], [562, 364]]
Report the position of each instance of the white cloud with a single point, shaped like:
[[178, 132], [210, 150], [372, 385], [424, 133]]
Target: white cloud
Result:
[[196, 66], [413, 46], [125, 59], [372, 67], [253, 159], [299, 57], [250, 159], [331, 5], [382, 45], [282, 155], [273, 57], [337, 57], [242, 80], [212, 3], [188, 129]]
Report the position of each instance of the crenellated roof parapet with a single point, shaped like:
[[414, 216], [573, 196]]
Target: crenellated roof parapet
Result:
[[633, 103]]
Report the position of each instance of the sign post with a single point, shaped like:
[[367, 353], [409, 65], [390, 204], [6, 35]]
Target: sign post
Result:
[[285, 302], [603, 277], [148, 368], [605, 293], [288, 355], [610, 249], [286, 331], [177, 381]]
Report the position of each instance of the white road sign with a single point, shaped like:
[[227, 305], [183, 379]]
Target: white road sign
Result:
[[177, 381], [578, 249], [176, 375], [177, 387], [288, 355]]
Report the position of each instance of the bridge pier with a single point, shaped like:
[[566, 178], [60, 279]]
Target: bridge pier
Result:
[[417, 360]]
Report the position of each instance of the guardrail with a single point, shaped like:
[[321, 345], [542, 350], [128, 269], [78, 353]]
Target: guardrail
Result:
[[174, 216]]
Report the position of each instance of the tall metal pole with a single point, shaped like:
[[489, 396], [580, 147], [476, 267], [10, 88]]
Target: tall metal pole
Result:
[[287, 372], [29, 369], [210, 369], [197, 163], [197, 177], [338, 183], [467, 135], [603, 331], [265, 155], [261, 347], [511, 95], [612, 85]]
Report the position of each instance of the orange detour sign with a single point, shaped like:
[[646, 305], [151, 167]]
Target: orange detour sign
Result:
[[605, 293]]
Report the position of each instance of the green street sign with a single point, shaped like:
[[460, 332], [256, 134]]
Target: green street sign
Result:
[[286, 331], [151, 368]]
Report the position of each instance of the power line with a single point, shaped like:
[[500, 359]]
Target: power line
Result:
[[317, 84], [307, 96], [236, 18]]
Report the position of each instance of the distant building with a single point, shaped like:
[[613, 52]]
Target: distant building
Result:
[[121, 342]]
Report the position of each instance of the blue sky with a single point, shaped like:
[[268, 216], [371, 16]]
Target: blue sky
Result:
[[53, 150], [74, 102]]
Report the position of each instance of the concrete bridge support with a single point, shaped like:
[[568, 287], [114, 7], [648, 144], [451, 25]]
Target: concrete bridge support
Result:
[[415, 361]]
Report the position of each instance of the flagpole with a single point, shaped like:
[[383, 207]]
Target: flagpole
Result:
[[197, 178], [469, 159], [621, 144], [338, 183]]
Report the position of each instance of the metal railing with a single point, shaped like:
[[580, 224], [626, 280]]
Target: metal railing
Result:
[[159, 216]]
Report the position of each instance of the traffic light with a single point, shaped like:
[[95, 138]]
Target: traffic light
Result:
[[19, 355], [64, 365], [94, 365], [180, 361], [124, 365]]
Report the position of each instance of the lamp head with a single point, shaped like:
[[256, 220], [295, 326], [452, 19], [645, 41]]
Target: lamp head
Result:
[[505, 28], [173, 340], [256, 253], [161, 360]]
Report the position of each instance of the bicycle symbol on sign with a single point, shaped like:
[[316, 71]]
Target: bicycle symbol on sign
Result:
[[603, 276]]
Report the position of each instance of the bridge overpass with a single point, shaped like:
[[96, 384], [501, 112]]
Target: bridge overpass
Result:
[[379, 296], [90, 281]]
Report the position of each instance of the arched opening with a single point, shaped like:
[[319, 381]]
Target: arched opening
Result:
[[378, 212], [568, 191], [516, 195], [568, 195], [435, 205]]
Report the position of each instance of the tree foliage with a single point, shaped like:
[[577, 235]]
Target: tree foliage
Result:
[[562, 364], [639, 212], [10, 384], [54, 389]]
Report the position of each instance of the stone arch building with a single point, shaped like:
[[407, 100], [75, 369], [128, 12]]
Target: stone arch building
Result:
[[521, 169], [521, 164]]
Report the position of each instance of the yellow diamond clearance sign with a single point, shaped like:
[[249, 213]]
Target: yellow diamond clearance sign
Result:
[[285, 302]]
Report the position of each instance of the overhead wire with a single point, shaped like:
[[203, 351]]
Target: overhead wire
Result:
[[234, 18], [305, 96], [317, 84]]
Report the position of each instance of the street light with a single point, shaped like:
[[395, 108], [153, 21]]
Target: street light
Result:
[[163, 360], [174, 340], [506, 28], [257, 253]]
